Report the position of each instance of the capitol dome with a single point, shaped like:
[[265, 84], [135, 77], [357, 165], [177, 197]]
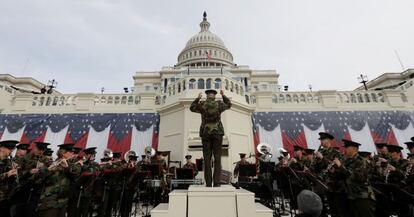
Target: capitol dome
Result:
[[205, 49]]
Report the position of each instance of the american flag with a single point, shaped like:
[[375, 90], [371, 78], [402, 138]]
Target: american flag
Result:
[[79, 128], [286, 129]]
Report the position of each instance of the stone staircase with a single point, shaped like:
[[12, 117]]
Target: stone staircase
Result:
[[200, 201]]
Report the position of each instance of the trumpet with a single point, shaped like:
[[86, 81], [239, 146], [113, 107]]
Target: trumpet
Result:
[[59, 163]]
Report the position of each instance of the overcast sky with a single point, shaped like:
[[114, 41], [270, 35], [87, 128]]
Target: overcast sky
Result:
[[89, 44]]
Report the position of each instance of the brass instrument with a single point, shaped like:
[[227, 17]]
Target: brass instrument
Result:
[[149, 151], [127, 157], [266, 151], [62, 162]]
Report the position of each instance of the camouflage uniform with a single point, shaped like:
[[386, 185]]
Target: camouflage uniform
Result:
[[386, 156], [6, 186], [396, 177], [336, 191], [55, 194], [211, 133], [89, 168], [355, 171]]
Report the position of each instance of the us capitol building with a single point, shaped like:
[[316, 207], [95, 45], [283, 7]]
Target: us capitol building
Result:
[[205, 63]]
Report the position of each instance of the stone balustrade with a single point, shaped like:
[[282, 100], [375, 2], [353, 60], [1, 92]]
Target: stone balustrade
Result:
[[263, 98]]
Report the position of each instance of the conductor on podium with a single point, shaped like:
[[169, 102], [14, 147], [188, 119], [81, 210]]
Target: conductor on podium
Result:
[[211, 131]]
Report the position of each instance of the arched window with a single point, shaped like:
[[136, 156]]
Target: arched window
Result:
[[179, 87], [217, 83], [183, 85], [227, 84], [237, 89], [231, 86], [200, 83], [208, 83], [192, 83]]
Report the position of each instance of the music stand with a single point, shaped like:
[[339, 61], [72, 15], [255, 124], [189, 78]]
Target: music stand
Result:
[[185, 173], [154, 169], [247, 170]]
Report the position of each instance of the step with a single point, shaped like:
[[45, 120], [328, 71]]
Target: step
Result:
[[263, 211], [160, 211]]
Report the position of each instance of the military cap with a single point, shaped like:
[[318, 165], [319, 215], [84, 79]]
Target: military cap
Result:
[[143, 156], [348, 143], [67, 147], [48, 152], [410, 145], [324, 135], [77, 150], [10, 144], [42, 145], [364, 153], [91, 150], [394, 148], [297, 148], [309, 151], [117, 154], [188, 157], [380, 145], [23, 146], [242, 155], [211, 91]]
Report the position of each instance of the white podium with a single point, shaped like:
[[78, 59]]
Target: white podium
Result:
[[201, 201]]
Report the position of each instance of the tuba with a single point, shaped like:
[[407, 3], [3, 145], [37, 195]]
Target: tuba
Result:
[[149, 151], [266, 152], [128, 154]]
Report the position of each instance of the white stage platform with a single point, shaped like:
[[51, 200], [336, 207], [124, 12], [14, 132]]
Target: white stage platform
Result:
[[201, 201]]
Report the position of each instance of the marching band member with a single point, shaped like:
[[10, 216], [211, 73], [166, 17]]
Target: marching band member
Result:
[[57, 177], [355, 170], [7, 173], [190, 165]]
